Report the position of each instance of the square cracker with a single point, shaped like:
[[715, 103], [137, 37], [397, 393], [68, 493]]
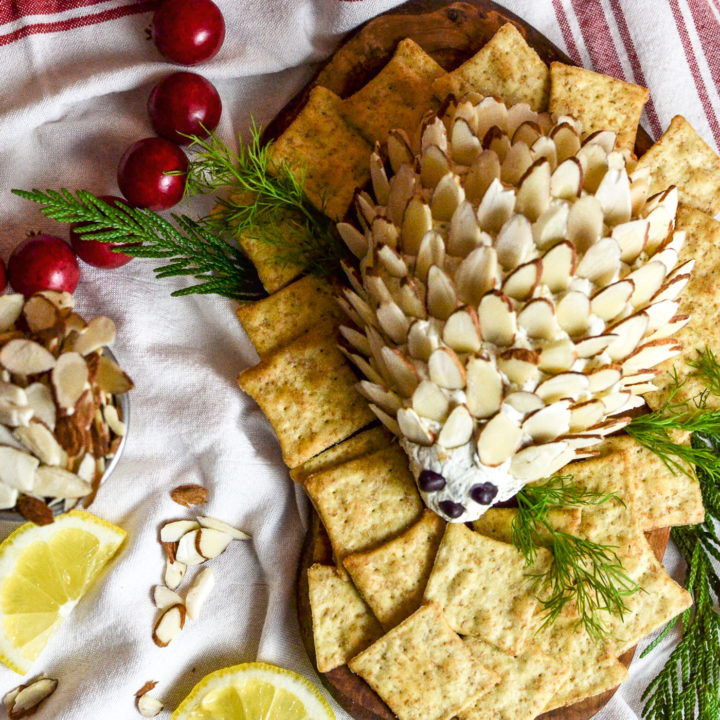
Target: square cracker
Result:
[[331, 157], [505, 67], [343, 624], [527, 682], [484, 587], [281, 318], [422, 669], [700, 300], [366, 501], [274, 273], [497, 523], [363, 443], [593, 666], [681, 157], [660, 497], [307, 391], [397, 97], [392, 577], [659, 601], [599, 102]]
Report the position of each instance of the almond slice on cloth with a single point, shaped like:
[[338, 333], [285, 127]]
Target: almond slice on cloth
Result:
[[174, 573], [26, 699], [169, 625], [187, 552], [210, 543], [164, 597], [199, 592], [223, 527], [172, 531]]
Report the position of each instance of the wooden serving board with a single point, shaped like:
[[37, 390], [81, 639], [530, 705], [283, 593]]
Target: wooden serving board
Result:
[[450, 32]]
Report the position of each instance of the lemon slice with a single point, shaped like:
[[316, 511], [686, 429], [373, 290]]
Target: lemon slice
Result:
[[44, 571], [254, 691]]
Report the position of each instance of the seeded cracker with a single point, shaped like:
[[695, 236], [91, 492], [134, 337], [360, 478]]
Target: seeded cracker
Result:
[[307, 391], [484, 587], [506, 67], [681, 157], [599, 102], [422, 669], [397, 97], [320, 147], [659, 497], [497, 523], [700, 299], [366, 501], [363, 443], [392, 577], [342, 623], [661, 600], [281, 318], [527, 682]]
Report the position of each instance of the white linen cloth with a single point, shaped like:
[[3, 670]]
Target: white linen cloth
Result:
[[73, 86]]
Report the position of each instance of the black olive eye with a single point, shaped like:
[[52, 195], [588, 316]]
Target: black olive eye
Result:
[[430, 481], [484, 493], [451, 509]]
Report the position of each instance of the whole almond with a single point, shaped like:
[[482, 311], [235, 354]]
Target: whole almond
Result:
[[187, 495], [35, 510]]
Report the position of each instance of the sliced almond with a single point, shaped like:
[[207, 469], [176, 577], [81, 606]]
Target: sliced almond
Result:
[[672, 287], [389, 422], [485, 169], [521, 283], [392, 261], [497, 141], [601, 263], [498, 323], [113, 421], [586, 414], [551, 226], [40, 314], [533, 195], [187, 551], [98, 333], [538, 319], [57, 482], [164, 597], [169, 625], [674, 325], [464, 235], [378, 177], [442, 298], [604, 378], [631, 237], [39, 398], [446, 197], [422, 340], [26, 700], [585, 223], [111, 378], [172, 531], [405, 376], [8, 497], [446, 369], [569, 385], [174, 573], [614, 196], [514, 242], [516, 163], [26, 357], [61, 299], [199, 591], [417, 220], [9, 440], [69, 378], [464, 144], [210, 543], [11, 306], [496, 207], [477, 275], [651, 354], [434, 165], [609, 302], [540, 461], [520, 366], [462, 331], [629, 333], [527, 132], [484, 389], [413, 427], [431, 252], [458, 428], [557, 356], [430, 402], [573, 313], [498, 440], [549, 422], [566, 139], [393, 321], [223, 527], [567, 179], [386, 399], [590, 346], [544, 147], [354, 239], [524, 402], [558, 266], [647, 280], [17, 469], [398, 147]]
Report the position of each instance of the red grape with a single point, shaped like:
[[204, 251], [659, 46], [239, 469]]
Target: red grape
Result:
[[142, 173], [96, 253], [184, 103], [3, 276], [188, 31], [43, 262]]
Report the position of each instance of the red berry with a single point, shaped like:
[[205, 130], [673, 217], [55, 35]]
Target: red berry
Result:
[[142, 173], [96, 253], [184, 103], [188, 31], [3, 276], [43, 262]]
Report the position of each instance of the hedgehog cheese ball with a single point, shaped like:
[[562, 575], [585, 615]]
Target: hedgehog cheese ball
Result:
[[516, 292]]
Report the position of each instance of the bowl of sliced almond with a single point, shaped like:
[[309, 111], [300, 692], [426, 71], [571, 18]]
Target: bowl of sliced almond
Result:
[[64, 407]]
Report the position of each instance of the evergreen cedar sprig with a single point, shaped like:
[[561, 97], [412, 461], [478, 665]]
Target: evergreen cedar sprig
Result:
[[263, 201], [188, 247], [688, 686], [588, 574]]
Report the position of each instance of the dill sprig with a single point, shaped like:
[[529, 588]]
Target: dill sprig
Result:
[[263, 201], [688, 686], [588, 574], [188, 247]]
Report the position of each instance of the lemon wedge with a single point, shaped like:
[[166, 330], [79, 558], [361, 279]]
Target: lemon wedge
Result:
[[254, 691], [44, 571]]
